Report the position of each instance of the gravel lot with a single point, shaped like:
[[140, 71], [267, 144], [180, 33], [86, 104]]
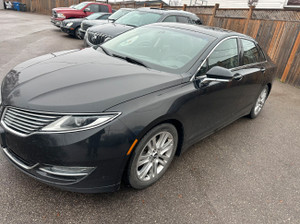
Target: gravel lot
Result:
[[249, 172]]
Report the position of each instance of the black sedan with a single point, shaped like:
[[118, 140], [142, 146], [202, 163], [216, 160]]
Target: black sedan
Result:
[[81, 120], [71, 26], [112, 18]]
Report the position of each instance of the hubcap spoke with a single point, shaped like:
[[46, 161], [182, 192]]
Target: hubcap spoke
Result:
[[145, 170]]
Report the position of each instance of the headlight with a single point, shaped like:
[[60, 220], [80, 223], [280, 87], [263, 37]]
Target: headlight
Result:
[[71, 123], [69, 24], [60, 15]]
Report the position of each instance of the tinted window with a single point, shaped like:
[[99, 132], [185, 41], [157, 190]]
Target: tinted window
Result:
[[251, 53], [80, 6], [118, 14], [94, 16], [104, 16], [137, 18], [170, 19], [225, 55], [182, 19], [104, 8], [93, 8]]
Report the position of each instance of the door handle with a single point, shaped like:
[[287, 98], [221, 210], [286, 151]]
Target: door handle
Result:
[[238, 77], [263, 69]]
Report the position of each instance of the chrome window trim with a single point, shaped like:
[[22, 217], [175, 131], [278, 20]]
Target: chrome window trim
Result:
[[232, 69], [56, 113]]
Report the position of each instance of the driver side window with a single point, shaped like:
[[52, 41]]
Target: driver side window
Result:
[[225, 55], [93, 8]]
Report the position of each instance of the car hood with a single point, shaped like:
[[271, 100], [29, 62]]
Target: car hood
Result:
[[96, 22], [111, 29], [74, 21], [80, 81], [64, 9]]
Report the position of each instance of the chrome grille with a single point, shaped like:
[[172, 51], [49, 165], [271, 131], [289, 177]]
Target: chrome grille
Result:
[[24, 122], [96, 38], [54, 13]]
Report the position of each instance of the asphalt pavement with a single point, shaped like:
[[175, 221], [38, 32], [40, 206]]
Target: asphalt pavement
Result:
[[249, 172]]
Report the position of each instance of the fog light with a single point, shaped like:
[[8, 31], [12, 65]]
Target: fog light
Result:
[[67, 170]]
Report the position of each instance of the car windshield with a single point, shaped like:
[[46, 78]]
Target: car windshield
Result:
[[80, 6], [94, 16], [160, 48], [138, 18], [118, 14]]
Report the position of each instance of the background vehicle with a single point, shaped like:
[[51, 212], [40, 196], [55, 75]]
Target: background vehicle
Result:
[[140, 17], [149, 94], [116, 15], [81, 10], [72, 26]]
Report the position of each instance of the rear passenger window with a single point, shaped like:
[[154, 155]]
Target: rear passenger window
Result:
[[182, 19], [104, 8], [170, 19], [251, 53], [225, 55]]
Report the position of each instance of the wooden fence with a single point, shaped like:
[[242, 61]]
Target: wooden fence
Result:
[[277, 31]]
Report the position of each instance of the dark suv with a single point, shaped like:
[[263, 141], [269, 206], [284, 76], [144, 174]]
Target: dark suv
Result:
[[140, 17], [115, 16]]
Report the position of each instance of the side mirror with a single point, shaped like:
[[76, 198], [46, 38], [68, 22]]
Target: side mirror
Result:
[[87, 10], [218, 72]]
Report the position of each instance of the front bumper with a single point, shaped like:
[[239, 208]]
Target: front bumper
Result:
[[102, 151], [82, 33], [86, 41], [56, 21], [68, 30]]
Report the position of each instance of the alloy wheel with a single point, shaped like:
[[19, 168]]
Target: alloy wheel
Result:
[[260, 101], [155, 156]]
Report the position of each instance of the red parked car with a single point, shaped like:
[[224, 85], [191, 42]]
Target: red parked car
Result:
[[81, 10]]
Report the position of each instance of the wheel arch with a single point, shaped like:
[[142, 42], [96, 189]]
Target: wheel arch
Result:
[[177, 124]]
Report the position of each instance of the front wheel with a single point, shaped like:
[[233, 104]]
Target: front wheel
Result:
[[77, 33], [152, 156], [260, 101]]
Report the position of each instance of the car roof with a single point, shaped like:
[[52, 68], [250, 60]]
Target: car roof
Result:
[[211, 31], [100, 3], [128, 9], [163, 11]]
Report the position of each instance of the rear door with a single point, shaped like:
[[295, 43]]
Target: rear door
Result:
[[251, 72]]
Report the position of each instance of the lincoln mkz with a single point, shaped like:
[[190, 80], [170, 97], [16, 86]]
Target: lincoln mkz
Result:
[[84, 120]]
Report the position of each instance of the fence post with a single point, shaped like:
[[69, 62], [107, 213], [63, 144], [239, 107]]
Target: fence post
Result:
[[184, 7], [134, 5], [211, 21], [248, 18], [161, 5], [145, 5]]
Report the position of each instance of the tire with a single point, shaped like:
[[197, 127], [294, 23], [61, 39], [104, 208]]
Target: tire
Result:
[[259, 103], [147, 163], [77, 34]]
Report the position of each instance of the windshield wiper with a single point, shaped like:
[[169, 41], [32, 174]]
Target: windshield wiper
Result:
[[130, 60], [104, 50]]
